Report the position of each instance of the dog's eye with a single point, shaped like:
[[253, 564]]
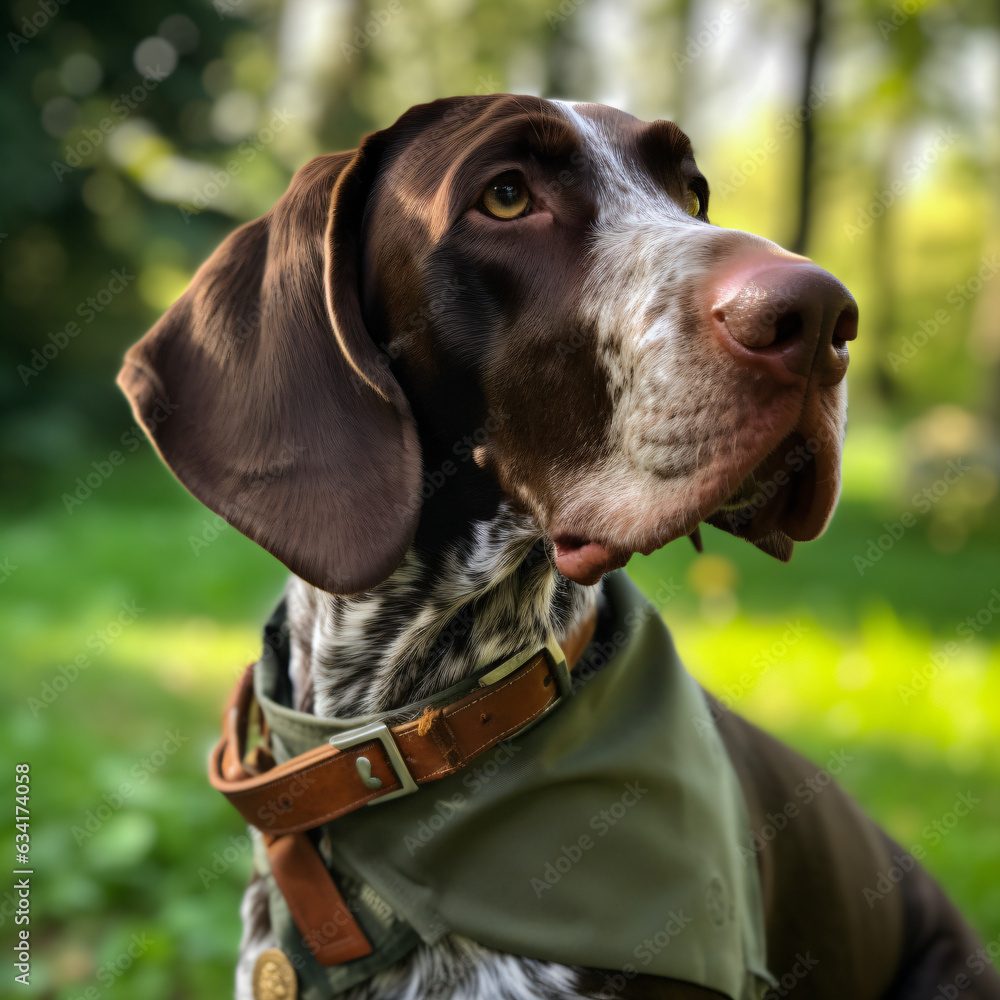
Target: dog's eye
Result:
[[506, 196], [693, 206]]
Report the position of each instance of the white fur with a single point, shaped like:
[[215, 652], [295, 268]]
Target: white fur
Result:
[[687, 426]]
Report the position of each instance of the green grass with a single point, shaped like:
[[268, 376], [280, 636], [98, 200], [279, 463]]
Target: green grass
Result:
[[816, 653]]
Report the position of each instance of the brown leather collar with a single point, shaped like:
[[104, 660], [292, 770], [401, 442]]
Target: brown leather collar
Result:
[[368, 765]]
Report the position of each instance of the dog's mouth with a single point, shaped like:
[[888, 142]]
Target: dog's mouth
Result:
[[788, 497], [584, 561]]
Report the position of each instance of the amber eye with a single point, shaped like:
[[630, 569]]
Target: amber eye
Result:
[[693, 206], [506, 196]]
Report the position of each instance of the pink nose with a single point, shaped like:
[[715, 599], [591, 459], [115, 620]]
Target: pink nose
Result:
[[786, 319]]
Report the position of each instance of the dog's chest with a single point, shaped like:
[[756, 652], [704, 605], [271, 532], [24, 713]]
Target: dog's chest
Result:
[[624, 793]]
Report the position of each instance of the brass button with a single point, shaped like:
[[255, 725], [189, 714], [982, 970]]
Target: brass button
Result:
[[274, 977]]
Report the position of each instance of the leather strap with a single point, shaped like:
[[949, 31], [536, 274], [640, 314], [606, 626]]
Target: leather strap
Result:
[[324, 783], [322, 916]]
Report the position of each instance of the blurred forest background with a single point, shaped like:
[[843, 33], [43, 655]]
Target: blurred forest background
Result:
[[137, 135]]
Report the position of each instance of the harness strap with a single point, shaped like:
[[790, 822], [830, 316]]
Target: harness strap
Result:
[[371, 763]]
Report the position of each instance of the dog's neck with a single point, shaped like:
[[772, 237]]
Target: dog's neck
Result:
[[434, 622]]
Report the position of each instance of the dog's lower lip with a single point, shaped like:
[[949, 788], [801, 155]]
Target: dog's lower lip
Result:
[[774, 497], [585, 561]]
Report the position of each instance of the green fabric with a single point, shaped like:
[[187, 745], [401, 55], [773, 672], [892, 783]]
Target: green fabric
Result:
[[607, 836]]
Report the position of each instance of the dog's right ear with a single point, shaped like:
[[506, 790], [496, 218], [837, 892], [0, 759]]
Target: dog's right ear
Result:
[[265, 395]]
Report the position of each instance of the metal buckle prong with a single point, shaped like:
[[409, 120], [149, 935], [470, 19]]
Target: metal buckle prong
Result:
[[379, 731]]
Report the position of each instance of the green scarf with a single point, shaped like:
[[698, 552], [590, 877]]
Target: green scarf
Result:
[[607, 836]]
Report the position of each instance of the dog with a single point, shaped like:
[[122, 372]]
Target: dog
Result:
[[452, 380]]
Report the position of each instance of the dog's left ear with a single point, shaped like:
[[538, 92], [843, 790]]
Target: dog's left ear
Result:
[[264, 393]]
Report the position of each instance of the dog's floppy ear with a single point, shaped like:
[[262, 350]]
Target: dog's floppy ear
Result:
[[282, 416]]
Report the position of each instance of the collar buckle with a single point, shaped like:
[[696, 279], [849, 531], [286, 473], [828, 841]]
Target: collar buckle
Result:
[[558, 670], [381, 732]]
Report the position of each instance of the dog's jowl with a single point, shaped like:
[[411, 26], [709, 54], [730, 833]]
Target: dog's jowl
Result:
[[454, 380]]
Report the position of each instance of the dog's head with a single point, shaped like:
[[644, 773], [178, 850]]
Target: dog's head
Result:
[[501, 297]]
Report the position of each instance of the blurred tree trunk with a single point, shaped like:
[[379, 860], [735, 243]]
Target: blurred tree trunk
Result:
[[343, 120], [558, 53], [814, 40], [683, 16], [882, 324]]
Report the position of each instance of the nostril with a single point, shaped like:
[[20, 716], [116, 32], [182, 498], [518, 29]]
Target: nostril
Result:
[[846, 327], [788, 327], [785, 320]]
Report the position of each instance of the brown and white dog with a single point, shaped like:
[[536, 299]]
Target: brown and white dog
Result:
[[454, 377]]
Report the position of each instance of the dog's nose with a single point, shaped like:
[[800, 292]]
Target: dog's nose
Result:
[[786, 318]]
